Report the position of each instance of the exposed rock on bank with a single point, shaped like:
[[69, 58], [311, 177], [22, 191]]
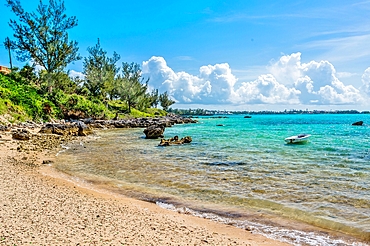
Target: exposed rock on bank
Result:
[[21, 134], [166, 121], [75, 129], [50, 136]]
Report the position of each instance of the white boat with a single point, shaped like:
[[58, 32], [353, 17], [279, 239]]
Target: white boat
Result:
[[301, 138]]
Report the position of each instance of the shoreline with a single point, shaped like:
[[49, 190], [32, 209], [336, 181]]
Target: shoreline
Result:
[[262, 221], [42, 207]]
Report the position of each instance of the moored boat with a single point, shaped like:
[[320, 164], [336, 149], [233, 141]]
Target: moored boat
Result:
[[301, 138]]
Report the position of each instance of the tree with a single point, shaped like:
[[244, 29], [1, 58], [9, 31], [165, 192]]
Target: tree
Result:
[[61, 81], [165, 101], [100, 72], [42, 36], [132, 87], [154, 98]]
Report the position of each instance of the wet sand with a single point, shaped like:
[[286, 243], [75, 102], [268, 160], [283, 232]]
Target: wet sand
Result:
[[42, 207]]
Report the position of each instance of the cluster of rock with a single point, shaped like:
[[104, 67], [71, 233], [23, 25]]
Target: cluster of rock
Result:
[[41, 142], [31, 139], [50, 136], [154, 127], [21, 134], [175, 141], [166, 121], [75, 129]]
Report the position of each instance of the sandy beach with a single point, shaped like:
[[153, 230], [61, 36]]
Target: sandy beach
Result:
[[42, 207]]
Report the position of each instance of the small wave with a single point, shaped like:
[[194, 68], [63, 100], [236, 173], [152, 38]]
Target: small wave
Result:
[[294, 237], [331, 149], [224, 163], [64, 148]]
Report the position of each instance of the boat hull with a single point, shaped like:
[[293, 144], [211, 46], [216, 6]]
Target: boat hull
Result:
[[297, 139]]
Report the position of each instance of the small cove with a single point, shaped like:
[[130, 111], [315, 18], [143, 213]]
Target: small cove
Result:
[[242, 170]]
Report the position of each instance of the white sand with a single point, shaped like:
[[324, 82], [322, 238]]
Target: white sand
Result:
[[38, 209]]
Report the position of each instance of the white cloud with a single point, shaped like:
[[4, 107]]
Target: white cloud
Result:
[[214, 84], [345, 75], [317, 81], [288, 69], [75, 74], [265, 90], [290, 82]]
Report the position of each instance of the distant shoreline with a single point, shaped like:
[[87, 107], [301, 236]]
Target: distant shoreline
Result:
[[268, 112]]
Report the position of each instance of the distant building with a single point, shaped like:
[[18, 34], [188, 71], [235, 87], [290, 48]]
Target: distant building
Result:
[[4, 70]]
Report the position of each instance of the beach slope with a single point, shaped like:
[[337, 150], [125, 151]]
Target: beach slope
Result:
[[42, 209]]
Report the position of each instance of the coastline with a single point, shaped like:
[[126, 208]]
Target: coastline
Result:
[[44, 207]]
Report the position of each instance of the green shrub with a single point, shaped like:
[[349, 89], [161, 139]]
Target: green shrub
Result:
[[77, 106], [29, 103], [23, 95], [156, 112]]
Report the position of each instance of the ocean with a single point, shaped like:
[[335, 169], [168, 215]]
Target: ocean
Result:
[[241, 172]]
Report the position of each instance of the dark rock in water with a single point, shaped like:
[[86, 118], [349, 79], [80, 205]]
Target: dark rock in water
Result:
[[187, 139], [175, 141], [22, 134], [154, 131], [358, 123], [247, 117], [219, 125]]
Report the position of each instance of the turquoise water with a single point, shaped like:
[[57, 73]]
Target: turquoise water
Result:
[[245, 172]]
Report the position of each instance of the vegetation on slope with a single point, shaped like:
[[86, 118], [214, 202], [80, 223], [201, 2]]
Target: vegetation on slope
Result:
[[105, 91]]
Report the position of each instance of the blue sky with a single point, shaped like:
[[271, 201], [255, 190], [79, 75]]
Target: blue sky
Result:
[[244, 55]]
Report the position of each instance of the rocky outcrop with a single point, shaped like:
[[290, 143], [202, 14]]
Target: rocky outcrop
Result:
[[21, 134], [83, 129], [166, 121], [4, 128], [154, 127], [41, 142], [154, 131], [358, 123], [74, 129], [175, 141]]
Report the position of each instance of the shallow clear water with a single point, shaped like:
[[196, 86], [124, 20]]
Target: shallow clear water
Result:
[[243, 166]]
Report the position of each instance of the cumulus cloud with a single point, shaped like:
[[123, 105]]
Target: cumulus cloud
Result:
[[75, 74], [289, 82], [288, 69], [214, 84], [265, 90], [325, 87]]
